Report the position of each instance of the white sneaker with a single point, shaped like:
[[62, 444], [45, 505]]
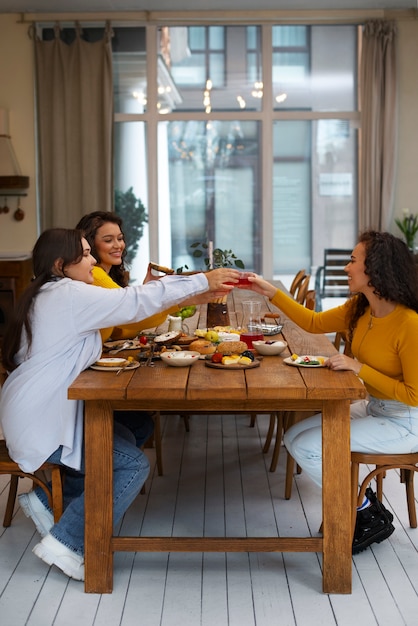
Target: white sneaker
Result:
[[54, 552], [39, 514]]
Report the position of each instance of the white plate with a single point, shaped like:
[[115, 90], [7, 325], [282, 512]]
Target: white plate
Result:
[[299, 363], [114, 345], [104, 368]]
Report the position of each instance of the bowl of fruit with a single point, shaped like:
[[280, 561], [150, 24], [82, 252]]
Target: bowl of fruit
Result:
[[269, 348]]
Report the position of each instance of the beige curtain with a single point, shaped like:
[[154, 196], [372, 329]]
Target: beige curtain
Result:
[[378, 124], [75, 122]]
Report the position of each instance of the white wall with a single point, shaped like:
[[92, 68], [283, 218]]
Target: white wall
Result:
[[406, 193], [17, 95]]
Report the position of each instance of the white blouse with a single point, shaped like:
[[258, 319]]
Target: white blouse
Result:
[[35, 413]]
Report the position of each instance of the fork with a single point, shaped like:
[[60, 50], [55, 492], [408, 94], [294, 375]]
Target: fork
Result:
[[127, 344], [149, 362]]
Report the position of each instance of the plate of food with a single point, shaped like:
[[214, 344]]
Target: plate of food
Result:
[[241, 361], [123, 344], [231, 364], [306, 360], [114, 365]]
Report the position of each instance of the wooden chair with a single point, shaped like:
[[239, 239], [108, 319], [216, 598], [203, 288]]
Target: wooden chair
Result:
[[155, 441], [299, 276], [8, 466], [407, 463], [54, 493], [302, 290], [330, 278], [310, 299]]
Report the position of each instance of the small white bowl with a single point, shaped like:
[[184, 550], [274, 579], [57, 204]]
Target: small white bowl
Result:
[[269, 347], [180, 358]]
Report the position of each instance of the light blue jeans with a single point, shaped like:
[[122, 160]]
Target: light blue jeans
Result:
[[381, 426], [130, 470]]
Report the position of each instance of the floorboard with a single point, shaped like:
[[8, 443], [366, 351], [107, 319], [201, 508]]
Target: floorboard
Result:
[[216, 482]]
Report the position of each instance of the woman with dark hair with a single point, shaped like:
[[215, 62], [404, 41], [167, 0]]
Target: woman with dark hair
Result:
[[103, 231], [382, 325], [52, 337]]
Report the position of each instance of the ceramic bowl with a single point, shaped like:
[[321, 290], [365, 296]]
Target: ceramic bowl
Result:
[[180, 358], [269, 347]]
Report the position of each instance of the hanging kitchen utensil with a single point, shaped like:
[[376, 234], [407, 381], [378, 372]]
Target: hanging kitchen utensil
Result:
[[19, 214]]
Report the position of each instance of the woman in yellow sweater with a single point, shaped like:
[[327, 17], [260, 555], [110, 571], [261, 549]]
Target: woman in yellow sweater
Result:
[[382, 324], [104, 234], [103, 231]]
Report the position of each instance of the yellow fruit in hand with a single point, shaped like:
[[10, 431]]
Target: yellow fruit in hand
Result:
[[212, 336]]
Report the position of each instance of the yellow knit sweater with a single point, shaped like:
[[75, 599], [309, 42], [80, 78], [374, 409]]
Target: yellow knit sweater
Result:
[[102, 279], [387, 347]]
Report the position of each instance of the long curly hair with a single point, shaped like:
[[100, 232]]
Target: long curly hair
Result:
[[392, 272], [90, 224]]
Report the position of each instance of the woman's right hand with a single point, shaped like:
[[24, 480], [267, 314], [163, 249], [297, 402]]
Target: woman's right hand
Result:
[[261, 286]]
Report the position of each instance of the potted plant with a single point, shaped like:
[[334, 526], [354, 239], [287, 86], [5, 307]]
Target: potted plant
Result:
[[133, 214], [216, 257], [217, 311], [409, 227]]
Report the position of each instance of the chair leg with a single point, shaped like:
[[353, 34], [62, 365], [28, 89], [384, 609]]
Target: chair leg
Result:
[[157, 440], [290, 462], [379, 485], [186, 421], [11, 499], [355, 470], [410, 496], [57, 492], [278, 442], [270, 431], [253, 417]]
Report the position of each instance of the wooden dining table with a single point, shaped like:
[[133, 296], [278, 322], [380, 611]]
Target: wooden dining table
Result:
[[274, 386]]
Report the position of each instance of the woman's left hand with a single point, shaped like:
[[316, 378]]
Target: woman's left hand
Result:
[[343, 362]]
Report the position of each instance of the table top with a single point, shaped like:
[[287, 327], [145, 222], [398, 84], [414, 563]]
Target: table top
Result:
[[166, 387]]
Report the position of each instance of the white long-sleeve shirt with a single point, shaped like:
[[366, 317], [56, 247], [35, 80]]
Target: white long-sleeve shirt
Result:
[[35, 413]]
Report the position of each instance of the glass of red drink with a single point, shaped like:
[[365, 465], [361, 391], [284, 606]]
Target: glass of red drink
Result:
[[250, 337], [251, 323], [242, 280]]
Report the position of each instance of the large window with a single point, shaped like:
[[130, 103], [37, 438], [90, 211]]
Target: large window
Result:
[[249, 140]]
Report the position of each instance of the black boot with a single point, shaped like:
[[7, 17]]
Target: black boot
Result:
[[373, 524], [371, 496]]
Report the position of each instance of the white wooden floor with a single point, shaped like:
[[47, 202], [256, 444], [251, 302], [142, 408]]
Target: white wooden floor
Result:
[[237, 495]]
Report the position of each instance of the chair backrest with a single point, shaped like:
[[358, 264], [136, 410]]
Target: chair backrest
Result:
[[310, 299], [300, 294], [330, 279], [341, 337], [299, 276]]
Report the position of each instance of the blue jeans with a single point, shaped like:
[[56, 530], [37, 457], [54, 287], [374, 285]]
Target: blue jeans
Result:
[[130, 470], [138, 422], [380, 426]]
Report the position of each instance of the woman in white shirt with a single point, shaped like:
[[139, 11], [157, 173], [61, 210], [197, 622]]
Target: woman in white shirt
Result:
[[53, 336]]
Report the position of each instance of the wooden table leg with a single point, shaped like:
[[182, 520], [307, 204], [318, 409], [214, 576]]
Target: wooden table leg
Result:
[[336, 497], [98, 528]]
